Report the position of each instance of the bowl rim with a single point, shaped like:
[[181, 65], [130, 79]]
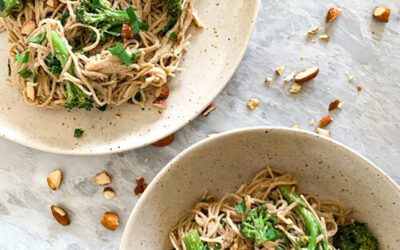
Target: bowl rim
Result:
[[87, 152], [161, 174]]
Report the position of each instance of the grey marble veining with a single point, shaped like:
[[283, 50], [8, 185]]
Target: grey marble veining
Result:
[[368, 123]]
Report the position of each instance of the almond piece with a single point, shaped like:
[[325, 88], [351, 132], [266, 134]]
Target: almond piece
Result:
[[141, 185], [324, 37], [209, 109], [323, 132], [325, 121], [333, 13], [279, 70], [126, 31], [60, 215], [334, 105], [359, 88], [108, 193], [314, 31], [160, 104], [311, 122], [290, 76], [30, 92], [179, 38], [28, 27], [267, 80], [110, 221], [253, 103], [306, 75], [162, 92], [165, 141], [102, 179], [382, 13], [56, 3], [54, 179], [296, 87]]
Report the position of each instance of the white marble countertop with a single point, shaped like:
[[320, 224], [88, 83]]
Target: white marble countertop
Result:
[[369, 121]]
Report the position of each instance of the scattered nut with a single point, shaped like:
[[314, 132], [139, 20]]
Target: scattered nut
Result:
[[359, 88], [333, 13], [30, 92], [335, 104], [324, 37], [160, 104], [209, 109], [28, 27], [54, 179], [268, 80], [271, 245], [323, 132], [311, 122], [279, 70], [306, 75], [141, 185], [60, 215], [302, 57], [164, 141], [162, 92], [296, 126], [325, 121], [351, 79], [110, 221], [382, 13], [102, 179], [179, 38], [56, 3], [296, 87], [253, 103], [314, 31], [108, 193], [212, 135], [126, 31], [290, 76]]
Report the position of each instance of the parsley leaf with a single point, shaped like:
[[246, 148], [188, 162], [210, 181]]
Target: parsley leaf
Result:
[[135, 54], [38, 39], [241, 207], [78, 133], [64, 17], [121, 53], [25, 73], [138, 96], [22, 59], [136, 25], [53, 63], [173, 35]]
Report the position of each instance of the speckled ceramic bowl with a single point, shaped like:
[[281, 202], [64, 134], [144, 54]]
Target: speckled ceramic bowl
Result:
[[322, 166], [211, 60]]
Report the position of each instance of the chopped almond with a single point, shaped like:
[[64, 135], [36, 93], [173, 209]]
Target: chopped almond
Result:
[[302, 57], [279, 70], [323, 132], [108, 193], [311, 122], [324, 37], [351, 79], [54, 179], [325, 121], [141, 185], [333, 13], [314, 31], [126, 31], [290, 76], [334, 105], [28, 27], [306, 75], [110, 221], [382, 13], [268, 80], [296, 87], [56, 3], [102, 179], [30, 92], [160, 104], [209, 109], [162, 92], [60, 215], [179, 38], [359, 88], [165, 141], [253, 103]]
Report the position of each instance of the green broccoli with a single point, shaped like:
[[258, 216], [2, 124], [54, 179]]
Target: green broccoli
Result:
[[355, 236], [314, 228], [174, 8], [258, 226], [75, 96], [193, 242], [7, 7]]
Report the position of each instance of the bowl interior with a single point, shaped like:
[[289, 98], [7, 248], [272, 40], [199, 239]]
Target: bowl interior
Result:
[[322, 167], [208, 65]]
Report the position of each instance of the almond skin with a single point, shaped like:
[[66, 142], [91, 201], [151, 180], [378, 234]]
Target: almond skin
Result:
[[60, 215], [333, 13], [325, 121], [102, 179], [209, 109], [162, 92], [110, 221], [126, 31], [28, 27], [141, 185], [165, 141], [54, 179], [160, 104], [334, 105], [306, 75], [382, 13]]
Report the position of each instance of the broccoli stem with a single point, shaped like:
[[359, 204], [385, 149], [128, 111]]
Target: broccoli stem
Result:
[[75, 96], [192, 241], [7, 7], [311, 222]]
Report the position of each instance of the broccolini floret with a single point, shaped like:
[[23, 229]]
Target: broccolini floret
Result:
[[355, 236], [7, 7], [174, 8]]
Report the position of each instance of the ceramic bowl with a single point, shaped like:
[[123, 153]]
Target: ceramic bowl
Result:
[[322, 166], [209, 64]]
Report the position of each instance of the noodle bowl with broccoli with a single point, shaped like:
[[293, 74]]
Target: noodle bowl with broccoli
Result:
[[92, 53]]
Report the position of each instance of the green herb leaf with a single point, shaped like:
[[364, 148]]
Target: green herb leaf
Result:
[[55, 70], [53, 63], [144, 26], [135, 54], [114, 31], [170, 24], [22, 59], [121, 53], [25, 73], [280, 248], [78, 133], [34, 77], [241, 207], [102, 108], [136, 25], [173, 35], [138, 96], [38, 39], [272, 234], [64, 17]]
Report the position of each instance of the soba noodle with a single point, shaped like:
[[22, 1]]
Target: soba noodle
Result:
[[98, 73]]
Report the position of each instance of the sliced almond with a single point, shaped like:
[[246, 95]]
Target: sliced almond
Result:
[[267, 80], [290, 76], [110, 221], [165, 141], [108, 193], [333, 13], [279, 70], [311, 122], [314, 31], [323, 132], [126, 31], [162, 92], [30, 92], [253, 103], [302, 57], [102, 179], [28, 27], [179, 38], [325, 121], [359, 88], [306, 75], [141, 185], [160, 104], [54, 179], [209, 109], [324, 37], [60, 215], [351, 79], [196, 20], [382, 13], [334, 105], [296, 88]]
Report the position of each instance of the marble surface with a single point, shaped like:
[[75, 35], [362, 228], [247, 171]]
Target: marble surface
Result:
[[369, 122]]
